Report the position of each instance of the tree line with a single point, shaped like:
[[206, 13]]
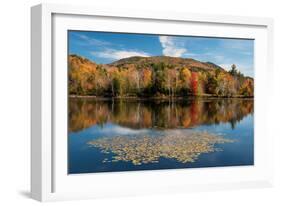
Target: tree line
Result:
[[155, 80]]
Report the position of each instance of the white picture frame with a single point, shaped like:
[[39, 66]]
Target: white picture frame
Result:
[[48, 152]]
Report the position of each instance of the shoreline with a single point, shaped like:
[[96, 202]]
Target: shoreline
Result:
[[158, 98]]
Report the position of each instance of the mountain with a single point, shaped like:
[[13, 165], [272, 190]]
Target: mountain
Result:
[[81, 64], [173, 62], [160, 76]]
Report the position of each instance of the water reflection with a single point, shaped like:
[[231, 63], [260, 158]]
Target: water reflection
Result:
[[136, 114]]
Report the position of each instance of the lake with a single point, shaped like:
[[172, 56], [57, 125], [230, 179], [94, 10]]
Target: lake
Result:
[[129, 135]]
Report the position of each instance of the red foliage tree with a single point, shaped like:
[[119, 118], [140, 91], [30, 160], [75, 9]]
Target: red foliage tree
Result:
[[194, 83]]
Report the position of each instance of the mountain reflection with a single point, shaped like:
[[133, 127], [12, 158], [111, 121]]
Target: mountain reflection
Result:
[[135, 114]]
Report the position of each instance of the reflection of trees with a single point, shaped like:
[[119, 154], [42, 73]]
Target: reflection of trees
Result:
[[84, 113]]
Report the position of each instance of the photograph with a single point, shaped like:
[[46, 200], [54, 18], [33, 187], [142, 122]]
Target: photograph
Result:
[[141, 102]]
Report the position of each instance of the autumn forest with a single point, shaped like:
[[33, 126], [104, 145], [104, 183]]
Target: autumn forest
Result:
[[156, 77]]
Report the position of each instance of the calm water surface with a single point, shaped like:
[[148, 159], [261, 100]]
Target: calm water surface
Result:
[[91, 120]]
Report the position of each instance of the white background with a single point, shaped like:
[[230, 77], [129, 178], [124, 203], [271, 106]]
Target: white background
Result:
[[15, 101]]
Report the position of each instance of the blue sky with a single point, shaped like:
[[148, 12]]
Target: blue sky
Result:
[[106, 47]]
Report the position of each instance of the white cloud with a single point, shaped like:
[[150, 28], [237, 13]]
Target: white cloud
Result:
[[92, 41], [118, 54], [246, 70], [226, 66], [118, 130], [123, 131], [171, 47]]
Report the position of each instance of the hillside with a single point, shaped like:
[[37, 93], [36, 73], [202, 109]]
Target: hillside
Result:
[[173, 62], [158, 76]]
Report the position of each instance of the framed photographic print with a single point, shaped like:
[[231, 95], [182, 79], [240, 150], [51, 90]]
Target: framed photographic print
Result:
[[135, 102]]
